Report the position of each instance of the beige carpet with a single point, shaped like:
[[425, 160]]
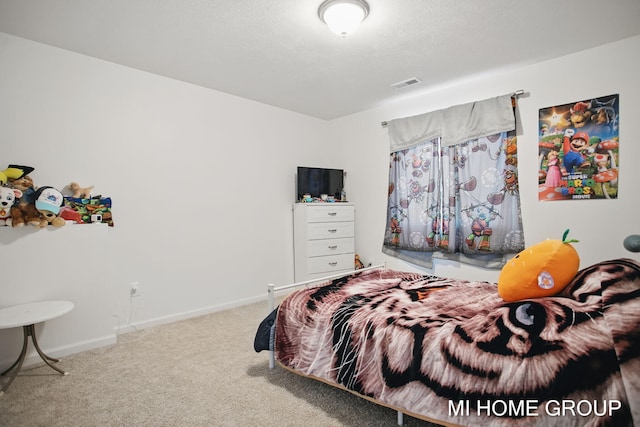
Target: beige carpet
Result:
[[197, 372]]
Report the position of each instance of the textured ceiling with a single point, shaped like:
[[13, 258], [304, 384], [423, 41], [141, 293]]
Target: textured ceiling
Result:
[[278, 52]]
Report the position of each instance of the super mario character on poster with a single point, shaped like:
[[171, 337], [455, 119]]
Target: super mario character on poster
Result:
[[578, 150]]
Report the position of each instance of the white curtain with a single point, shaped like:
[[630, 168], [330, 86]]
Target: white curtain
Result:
[[453, 185]]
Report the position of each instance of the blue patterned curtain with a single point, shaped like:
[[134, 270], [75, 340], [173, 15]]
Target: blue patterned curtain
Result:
[[455, 200]]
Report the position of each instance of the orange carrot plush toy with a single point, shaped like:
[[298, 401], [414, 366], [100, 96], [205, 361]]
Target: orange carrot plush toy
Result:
[[541, 270]]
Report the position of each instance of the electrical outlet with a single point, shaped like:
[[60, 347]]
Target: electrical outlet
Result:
[[134, 290]]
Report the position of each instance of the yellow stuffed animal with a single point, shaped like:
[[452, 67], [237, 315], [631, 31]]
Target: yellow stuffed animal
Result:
[[14, 172], [542, 270]]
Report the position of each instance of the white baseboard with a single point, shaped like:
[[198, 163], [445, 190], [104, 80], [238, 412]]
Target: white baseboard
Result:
[[187, 315], [32, 358]]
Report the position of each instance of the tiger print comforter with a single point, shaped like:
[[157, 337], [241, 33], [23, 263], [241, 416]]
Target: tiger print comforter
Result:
[[454, 351]]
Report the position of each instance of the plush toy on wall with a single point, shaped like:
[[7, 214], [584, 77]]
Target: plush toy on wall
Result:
[[24, 184], [541, 270], [24, 212], [14, 172], [69, 214], [80, 192], [48, 203], [8, 197]]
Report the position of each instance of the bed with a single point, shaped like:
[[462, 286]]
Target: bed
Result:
[[454, 353]]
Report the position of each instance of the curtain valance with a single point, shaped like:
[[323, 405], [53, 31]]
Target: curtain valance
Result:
[[454, 125]]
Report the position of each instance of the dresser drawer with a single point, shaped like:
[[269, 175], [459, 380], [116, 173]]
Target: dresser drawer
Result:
[[330, 264], [330, 230], [324, 239], [330, 213], [330, 247]]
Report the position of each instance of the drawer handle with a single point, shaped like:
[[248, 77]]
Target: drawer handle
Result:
[[332, 213], [333, 264], [333, 247], [332, 230]]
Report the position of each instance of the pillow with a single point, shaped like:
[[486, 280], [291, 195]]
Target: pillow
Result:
[[541, 270]]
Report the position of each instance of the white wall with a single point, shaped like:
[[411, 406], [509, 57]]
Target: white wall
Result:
[[600, 225], [202, 185]]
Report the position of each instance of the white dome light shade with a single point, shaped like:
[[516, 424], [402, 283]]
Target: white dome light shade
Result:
[[343, 16]]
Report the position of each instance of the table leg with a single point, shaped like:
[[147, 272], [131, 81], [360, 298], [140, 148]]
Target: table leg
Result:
[[41, 353], [29, 331], [17, 364]]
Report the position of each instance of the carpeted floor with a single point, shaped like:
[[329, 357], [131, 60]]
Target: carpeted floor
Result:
[[198, 372]]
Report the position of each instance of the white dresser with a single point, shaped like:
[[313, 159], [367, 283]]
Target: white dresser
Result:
[[324, 239]]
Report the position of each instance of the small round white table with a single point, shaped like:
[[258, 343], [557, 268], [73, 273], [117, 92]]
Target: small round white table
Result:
[[27, 315]]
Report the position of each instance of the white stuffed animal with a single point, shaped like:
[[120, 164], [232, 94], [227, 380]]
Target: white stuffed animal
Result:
[[8, 196]]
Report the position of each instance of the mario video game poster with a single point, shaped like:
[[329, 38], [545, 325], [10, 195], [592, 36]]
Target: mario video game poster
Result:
[[578, 150]]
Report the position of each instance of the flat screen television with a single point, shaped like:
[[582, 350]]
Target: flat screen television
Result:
[[318, 181]]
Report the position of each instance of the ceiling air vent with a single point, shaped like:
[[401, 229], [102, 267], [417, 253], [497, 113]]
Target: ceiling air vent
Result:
[[409, 82]]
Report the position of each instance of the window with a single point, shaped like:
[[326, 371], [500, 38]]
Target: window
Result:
[[453, 186]]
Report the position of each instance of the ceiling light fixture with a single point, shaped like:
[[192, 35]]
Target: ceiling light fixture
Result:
[[343, 16]]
